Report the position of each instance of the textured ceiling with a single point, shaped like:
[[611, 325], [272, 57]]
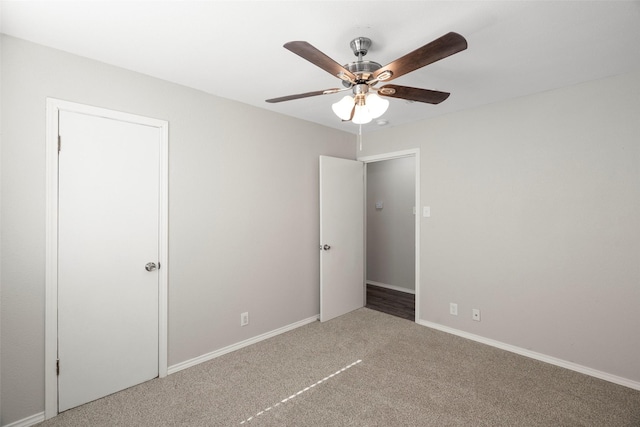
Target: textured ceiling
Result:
[[233, 49]]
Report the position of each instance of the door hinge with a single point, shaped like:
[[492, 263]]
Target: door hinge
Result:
[[59, 143], [57, 366]]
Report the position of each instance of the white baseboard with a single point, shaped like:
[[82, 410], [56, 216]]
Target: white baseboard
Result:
[[29, 421], [534, 355], [205, 357], [392, 287]]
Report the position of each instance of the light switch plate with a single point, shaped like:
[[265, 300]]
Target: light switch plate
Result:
[[453, 308], [426, 211]]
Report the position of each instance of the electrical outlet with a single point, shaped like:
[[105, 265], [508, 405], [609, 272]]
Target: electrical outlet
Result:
[[475, 314], [244, 319], [453, 308]]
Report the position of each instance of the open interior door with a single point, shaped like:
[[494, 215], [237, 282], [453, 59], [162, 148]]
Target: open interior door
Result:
[[341, 236]]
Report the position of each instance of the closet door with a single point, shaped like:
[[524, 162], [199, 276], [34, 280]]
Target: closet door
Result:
[[108, 237]]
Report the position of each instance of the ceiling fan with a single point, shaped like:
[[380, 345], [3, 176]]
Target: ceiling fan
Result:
[[361, 76]]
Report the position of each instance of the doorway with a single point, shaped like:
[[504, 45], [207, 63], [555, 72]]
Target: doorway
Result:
[[106, 283], [392, 233]]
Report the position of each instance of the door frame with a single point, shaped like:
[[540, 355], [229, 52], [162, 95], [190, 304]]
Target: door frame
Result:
[[53, 109], [415, 153]]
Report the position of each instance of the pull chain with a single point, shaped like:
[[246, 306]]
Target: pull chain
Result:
[[360, 136]]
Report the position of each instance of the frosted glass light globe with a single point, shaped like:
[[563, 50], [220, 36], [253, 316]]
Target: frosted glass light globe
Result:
[[362, 115], [343, 107], [377, 105]]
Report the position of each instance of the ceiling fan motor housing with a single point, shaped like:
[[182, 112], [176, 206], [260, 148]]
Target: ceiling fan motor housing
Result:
[[362, 69]]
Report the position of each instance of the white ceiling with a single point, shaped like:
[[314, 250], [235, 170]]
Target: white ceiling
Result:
[[233, 49]]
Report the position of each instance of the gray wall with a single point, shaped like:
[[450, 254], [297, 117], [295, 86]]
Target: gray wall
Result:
[[535, 220], [243, 210], [391, 230]]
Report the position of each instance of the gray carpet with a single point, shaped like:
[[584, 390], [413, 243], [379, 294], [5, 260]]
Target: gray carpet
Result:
[[408, 375]]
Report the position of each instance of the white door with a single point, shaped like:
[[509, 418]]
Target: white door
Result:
[[108, 230], [341, 236]]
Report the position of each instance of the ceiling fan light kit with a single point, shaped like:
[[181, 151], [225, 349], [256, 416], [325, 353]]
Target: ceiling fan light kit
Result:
[[367, 108], [367, 102], [360, 108]]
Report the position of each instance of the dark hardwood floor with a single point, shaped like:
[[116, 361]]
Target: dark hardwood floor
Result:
[[396, 303]]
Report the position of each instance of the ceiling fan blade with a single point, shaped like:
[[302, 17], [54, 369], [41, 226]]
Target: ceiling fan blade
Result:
[[413, 94], [305, 95], [438, 49], [313, 55]]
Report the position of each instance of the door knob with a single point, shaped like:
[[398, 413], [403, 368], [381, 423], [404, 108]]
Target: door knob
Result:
[[150, 266], [326, 247]]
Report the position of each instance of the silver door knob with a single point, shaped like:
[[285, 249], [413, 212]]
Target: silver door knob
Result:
[[150, 266], [326, 247]]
